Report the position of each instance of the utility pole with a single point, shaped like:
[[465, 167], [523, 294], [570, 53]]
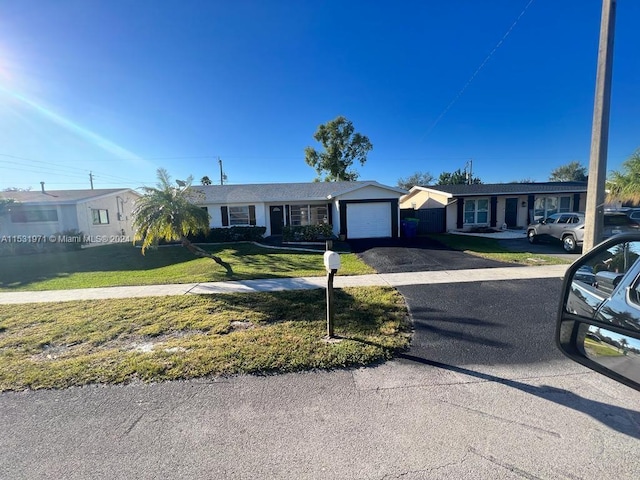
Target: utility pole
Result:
[[469, 170], [221, 174], [594, 212], [91, 179]]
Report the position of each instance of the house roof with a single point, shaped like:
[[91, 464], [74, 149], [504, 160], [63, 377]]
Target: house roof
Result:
[[506, 188], [60, 196], [283, 192]]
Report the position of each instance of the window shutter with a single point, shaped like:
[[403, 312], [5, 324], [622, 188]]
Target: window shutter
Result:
[[252, 214], [225, 216]]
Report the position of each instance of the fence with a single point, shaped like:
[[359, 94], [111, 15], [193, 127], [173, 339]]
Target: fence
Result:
[[431, 220]]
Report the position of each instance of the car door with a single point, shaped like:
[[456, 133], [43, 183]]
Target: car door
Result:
[[548, 226], [560, 226]]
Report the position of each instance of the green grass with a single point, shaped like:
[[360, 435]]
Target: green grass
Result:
[[58, 345], [601, 349], [490, 248], [118, 265]]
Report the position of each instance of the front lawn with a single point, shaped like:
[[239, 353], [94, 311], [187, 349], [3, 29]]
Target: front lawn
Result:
[[123, 264], [58, 345], [490, 248]]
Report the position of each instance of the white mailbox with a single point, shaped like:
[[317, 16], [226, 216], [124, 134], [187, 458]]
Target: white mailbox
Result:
[[331, 261]]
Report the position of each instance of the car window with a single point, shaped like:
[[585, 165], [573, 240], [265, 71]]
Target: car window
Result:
[[635, 215], [551, 219], [564, 219], [615, 220]]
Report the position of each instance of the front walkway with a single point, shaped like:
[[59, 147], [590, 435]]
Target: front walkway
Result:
[[277, 284]]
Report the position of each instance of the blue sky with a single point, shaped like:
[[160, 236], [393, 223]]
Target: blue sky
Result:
[[120, 88]]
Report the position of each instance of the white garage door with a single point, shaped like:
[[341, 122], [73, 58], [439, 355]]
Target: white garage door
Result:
[[369, 220]]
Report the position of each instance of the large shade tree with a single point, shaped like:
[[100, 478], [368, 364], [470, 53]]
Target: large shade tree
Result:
[[571, 172], [342, 146], [458, 177], [419, 178], [168, 212]]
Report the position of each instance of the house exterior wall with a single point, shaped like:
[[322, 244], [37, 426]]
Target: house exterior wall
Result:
[[523, 208], [369, 192], [9, 228], [119, 228], [263, 216], [215, 212], [452, 215], [423, 199], [78, 217]]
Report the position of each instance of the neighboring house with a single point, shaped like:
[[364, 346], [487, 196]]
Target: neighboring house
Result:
[[102, 215], [464, 207], [362, 209]]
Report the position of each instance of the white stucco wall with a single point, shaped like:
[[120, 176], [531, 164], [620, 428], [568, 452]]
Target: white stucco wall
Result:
[[369, 192], [119, 229]]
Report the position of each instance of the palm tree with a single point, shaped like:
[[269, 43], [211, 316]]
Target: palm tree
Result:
[[624, 185], [168, 213]]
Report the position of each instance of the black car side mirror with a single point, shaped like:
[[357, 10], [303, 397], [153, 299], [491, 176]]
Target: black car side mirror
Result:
[[598, 321]]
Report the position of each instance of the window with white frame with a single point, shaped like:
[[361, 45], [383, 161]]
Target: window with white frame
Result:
[[476, 211], [100, 216], [545, 206], [308, 215]]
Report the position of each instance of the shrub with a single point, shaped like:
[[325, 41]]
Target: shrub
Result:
[[231, 234], [307, 233]]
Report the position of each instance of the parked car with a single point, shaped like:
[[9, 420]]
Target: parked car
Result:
[[598, 321], [569, 228], [620, 222], [566, 227], [631, 212]]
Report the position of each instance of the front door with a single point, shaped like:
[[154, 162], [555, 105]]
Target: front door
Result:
[[511, 213], [275, 214]]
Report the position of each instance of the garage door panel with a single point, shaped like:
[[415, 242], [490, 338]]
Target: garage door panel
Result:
[[369, 220]]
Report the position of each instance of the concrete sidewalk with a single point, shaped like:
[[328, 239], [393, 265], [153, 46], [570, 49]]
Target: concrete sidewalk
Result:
[[278, 284]]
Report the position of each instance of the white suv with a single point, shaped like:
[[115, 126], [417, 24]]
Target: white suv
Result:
[[567, 227]]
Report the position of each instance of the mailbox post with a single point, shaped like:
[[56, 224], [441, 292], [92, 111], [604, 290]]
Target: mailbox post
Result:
[[331, 264]]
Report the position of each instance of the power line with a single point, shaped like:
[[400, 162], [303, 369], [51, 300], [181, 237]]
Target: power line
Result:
[[55, 169], [473, 76]]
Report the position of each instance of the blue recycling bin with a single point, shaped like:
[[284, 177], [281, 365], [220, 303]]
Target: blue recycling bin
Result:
[[410, 227]]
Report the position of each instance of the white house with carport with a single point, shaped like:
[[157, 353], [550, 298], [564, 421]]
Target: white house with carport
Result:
[[101, 214], [465, 207], [360, 209]]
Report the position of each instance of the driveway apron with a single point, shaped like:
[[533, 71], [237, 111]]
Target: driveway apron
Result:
[[470, 323]]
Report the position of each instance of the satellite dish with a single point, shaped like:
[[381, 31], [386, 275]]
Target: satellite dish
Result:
[[181, 183]]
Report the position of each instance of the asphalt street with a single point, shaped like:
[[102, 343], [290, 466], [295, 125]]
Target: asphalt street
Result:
[[481, 394]]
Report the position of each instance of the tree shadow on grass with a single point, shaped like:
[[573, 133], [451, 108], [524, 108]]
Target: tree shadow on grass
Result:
[[250, 260]]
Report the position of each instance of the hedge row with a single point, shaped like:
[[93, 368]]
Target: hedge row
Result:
[[231, 234], [307, 233]]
